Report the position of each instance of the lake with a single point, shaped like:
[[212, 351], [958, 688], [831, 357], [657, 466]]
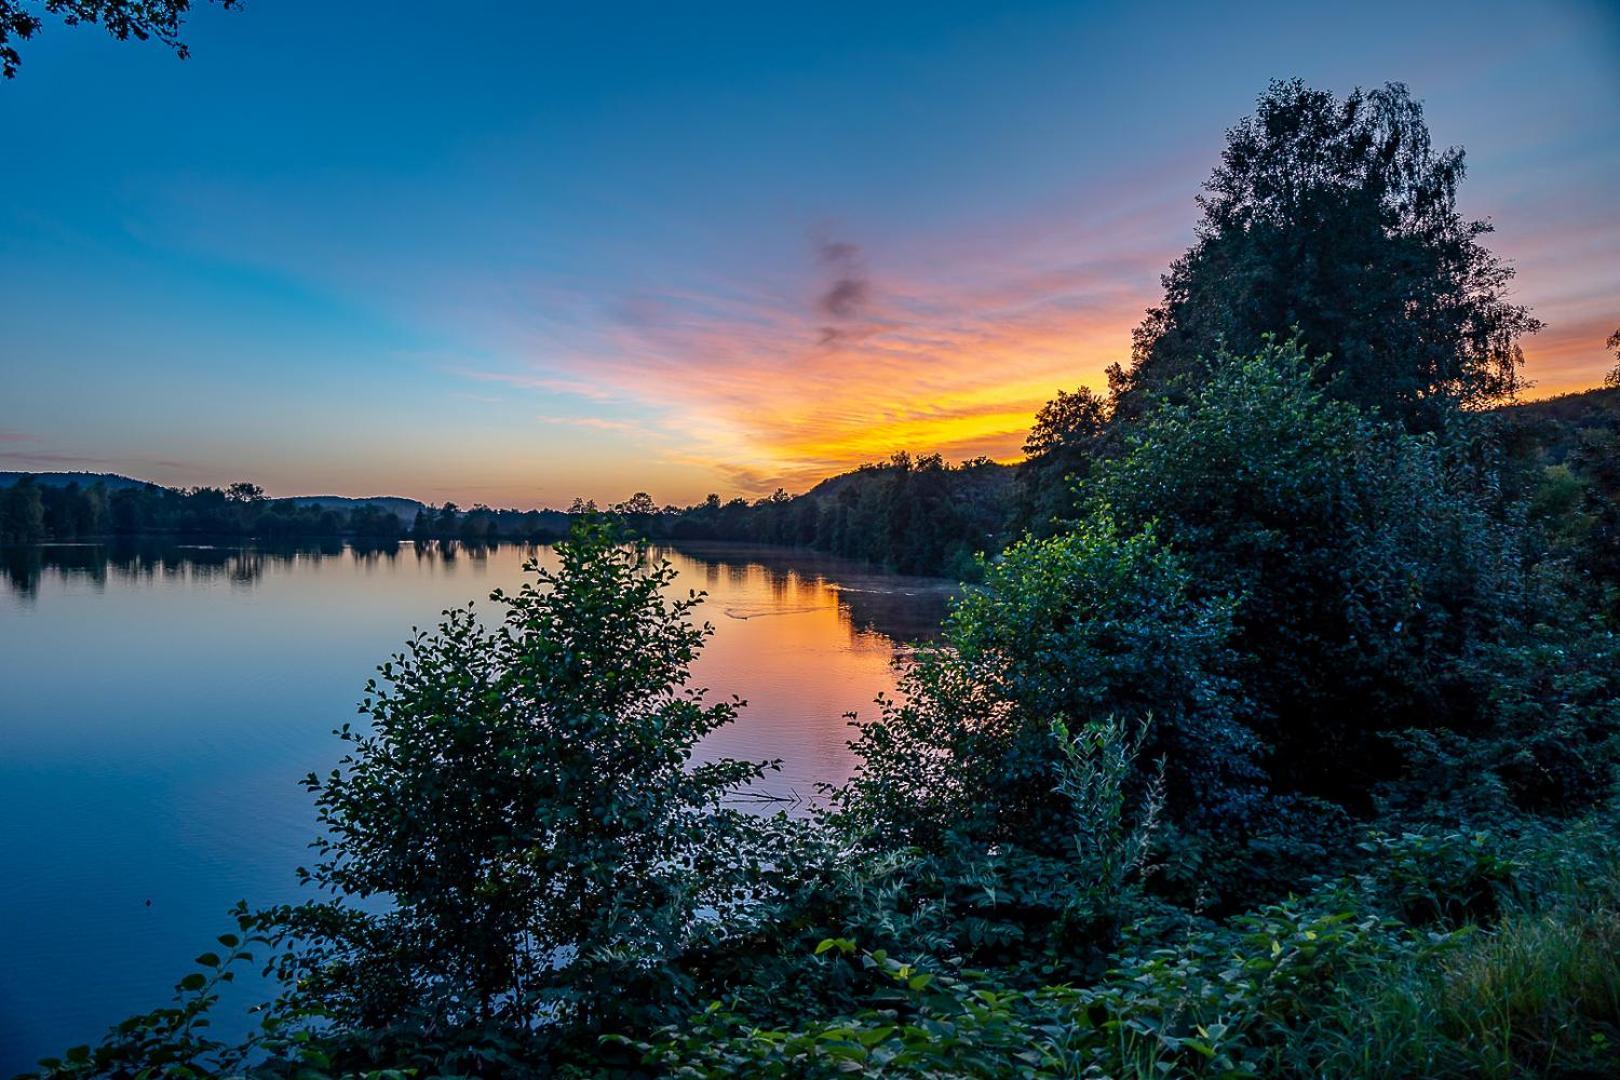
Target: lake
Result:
[[160, 703]]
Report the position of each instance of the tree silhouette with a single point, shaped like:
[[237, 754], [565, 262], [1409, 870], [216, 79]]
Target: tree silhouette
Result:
[[1335, 219], [124, 19]]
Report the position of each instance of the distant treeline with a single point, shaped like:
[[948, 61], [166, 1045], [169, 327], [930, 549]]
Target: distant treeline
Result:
[[483, 524], [32, 511], [916, 515]]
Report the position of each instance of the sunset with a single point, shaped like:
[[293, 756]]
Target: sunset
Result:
[[1054, 541], [555, 254]]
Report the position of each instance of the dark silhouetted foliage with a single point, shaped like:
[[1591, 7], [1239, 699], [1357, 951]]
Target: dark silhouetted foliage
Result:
[[123, 19], [1284, 743], [1337, 218]]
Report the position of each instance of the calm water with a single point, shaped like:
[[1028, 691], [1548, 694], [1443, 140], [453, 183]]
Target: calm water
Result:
[[157, 705]]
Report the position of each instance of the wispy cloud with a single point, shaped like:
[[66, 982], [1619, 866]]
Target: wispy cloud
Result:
[[90, 462], [581, 387], [771, 388], [598, 422]]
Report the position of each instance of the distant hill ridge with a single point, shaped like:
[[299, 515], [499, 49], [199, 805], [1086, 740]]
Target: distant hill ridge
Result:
[[114, 481], [1559, 420], [406, 509]]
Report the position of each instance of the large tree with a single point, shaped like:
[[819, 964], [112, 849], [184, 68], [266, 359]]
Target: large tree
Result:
[[124, 19], [1338, 218]]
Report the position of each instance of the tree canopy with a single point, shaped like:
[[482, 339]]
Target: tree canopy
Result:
[[1337, 217], [123, 19]]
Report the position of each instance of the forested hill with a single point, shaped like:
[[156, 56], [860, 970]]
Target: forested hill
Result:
[[915, 514], [81, 506], [922, 515], [1558, 426], [405, 509], [109, 481]]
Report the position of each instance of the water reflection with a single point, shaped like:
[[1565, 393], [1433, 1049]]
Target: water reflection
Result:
[[162, 700], [902, 609], [134, 560], [899, 608]]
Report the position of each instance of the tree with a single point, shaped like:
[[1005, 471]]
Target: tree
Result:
[[1338, 218], [523, 797], [1364, 564], [1067, 434], [1068, 420], [1613, 345], [640, 503], [449, 522], [22, 513], [1094, 625], [124, 19]]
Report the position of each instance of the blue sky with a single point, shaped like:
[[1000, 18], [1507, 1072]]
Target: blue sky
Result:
[[513, 253]]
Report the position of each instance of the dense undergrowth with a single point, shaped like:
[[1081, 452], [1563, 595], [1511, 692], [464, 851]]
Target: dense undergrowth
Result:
[[1286, 745]]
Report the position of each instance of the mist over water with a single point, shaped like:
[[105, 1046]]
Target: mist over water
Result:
[[161, 702]]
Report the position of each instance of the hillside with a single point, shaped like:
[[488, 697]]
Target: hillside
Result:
[[112, 481], [404, 509], [1555, 425]]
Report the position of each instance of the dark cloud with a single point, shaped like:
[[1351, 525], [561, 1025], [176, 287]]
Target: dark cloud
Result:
[[848, 294], [845, 299]]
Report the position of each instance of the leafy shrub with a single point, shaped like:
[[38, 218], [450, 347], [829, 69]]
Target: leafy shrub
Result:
[[1111, 837], [523, 803], [1072, 629], [1362, 566], [1449, 880]]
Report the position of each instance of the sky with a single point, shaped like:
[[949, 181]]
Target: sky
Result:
[[514, 253]]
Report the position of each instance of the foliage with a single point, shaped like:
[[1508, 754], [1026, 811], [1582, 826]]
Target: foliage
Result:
[[1069, 434], [1284, 744], [124, 19], [1338, 219], [1325, 985], [1363, 562], [1222, 1003], [915, 515], [1548, 736], [1078, 628], [1111, 836], [523, 799]]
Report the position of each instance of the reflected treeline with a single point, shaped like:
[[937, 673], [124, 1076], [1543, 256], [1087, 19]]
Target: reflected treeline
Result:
[[901, 608], [132, 559]]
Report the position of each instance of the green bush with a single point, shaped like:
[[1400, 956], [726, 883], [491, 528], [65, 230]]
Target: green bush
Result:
[[523, 802], [1362, 564], [1075, 629]]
